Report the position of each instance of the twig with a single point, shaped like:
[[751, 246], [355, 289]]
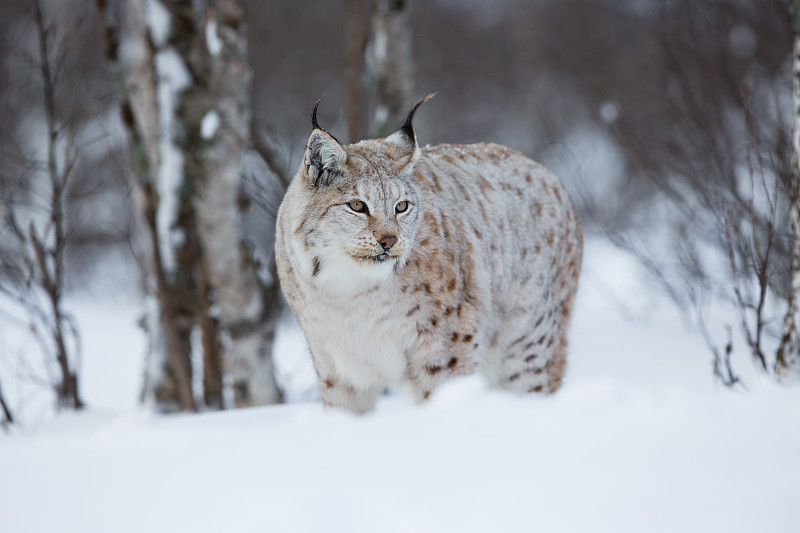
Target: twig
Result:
[[8, 418]]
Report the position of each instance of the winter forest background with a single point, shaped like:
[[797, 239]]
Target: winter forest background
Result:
[[144, 149]]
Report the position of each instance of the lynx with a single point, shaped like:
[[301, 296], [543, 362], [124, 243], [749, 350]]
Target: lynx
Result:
[[405, 265]]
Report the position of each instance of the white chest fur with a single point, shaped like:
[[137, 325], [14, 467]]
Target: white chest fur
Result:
[[364, 338]]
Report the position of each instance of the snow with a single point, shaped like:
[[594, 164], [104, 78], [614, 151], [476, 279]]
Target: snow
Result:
[[158, 22], [380, 45], [173, 77], [209, 125], [131, 52], [609, 111], [213, 42], [638, 439], [381, 114]]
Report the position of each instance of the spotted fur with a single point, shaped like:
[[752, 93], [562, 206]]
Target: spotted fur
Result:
[[482, 275]]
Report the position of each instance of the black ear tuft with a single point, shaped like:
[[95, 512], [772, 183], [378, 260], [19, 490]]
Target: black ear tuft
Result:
[[407, 128], [314, 123]]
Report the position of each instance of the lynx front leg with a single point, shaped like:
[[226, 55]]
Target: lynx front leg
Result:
[[338, 392], [335, 393]]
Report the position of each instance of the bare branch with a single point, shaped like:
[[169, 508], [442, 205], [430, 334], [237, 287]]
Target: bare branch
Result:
[[8, 418]]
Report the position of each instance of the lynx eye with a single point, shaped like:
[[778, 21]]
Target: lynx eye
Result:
[[358, 206], [401, 207]]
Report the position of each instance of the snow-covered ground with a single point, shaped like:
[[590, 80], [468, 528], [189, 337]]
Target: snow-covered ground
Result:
[[639, 439]]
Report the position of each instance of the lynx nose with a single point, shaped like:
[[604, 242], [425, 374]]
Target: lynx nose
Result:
[[388, 241]]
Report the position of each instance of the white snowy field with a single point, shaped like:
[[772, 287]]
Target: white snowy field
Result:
[[639, 439]]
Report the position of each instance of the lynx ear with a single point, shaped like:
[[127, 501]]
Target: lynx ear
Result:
[[405, 138], [324, 156]]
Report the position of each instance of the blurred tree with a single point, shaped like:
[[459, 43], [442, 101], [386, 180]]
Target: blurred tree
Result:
[[169, 320], [215, 118], [8, 418], [379, 70], [697, 107], [183, 86], [356, 35], [788, 355], [34, 230], [390, 65]]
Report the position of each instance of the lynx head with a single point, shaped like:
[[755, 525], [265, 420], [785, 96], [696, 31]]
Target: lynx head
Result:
[[361, 205]]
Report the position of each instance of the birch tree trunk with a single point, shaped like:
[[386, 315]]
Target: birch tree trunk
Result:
[[246, 319], [187, 137], [168, 377], [390, 65], [787, 364], [214, 113]]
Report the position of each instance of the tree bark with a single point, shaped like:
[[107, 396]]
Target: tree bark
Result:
[[390, 64], [787, 363]]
